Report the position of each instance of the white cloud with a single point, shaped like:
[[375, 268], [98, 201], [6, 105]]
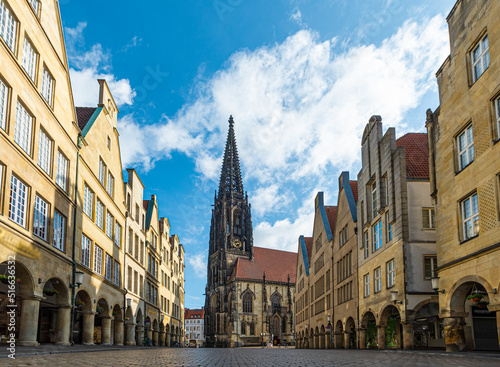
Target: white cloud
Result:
[[296, 16], [300, 108], [198, 262], [134, 42], [88, 66]]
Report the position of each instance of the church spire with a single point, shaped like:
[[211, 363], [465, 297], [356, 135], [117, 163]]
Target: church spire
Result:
[[230, 176]]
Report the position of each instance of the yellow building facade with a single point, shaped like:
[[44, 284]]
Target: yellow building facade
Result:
[[465, 178]]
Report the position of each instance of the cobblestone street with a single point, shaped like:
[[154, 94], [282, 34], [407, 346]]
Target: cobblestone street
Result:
[[252, 357]]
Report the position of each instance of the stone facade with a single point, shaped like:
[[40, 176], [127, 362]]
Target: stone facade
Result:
[[465, 170]]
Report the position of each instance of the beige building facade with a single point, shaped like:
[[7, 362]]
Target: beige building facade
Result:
[[465, 178]]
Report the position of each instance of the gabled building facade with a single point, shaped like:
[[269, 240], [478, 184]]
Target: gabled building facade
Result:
[[464, 132], [397, 306]]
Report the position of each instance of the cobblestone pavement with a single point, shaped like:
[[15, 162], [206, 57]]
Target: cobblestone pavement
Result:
[[253, 357]]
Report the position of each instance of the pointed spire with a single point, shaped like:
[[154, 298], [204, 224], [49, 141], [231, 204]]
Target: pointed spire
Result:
[[230, 176]]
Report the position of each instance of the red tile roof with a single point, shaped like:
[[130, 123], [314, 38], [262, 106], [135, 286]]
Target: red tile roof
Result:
[[354, 189], [277, 265], [309, 244], [83, 115], [198, 313], [417, 154], [331, 213]]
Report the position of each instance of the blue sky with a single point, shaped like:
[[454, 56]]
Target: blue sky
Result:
[[300, 77]]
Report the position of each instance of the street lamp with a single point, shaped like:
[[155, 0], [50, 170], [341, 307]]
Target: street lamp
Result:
[[435, 285], [394, 298], [78, 279]]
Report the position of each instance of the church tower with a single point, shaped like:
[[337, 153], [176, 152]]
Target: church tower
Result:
[[231, 237]]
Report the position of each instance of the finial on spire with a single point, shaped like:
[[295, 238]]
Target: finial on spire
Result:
[[231, 121]]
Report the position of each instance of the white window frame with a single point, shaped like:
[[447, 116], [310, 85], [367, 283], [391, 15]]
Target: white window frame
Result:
[[8, 26], [29, 59], [388, 227], [481, 62], [109, 224], [428, 218], [377, 280], [86, 251], [467, 148], [44, 152], [59, 230], [102, 172], [62, 170], [47, 88], [40, 218], [366, 282], [367, 244], [23, 128], [18, 205], [377, 236], [88, 201], [432, 259], [108, 267], [110, 185], [470, 203], [116, 273], [99, 214], [4, 100], [391, 273], [35, 4], [98, 259]]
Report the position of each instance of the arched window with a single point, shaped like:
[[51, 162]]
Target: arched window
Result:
[[276, 303], [247, 303], [252, 329], [243, 328]]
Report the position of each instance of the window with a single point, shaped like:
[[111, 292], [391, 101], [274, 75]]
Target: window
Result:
[[88, 201], [243, 328], [35, 5], [102, 172], [480, 58], [18, 201], [44, 151], [386, 190], [118, 234], [24, 126], [99, 214], [111, 184], [470, 217], [430, 266], [391, 273], [108, 267], [98, 260], [40, 218], [85, 257], [428, 218], [465, 144], [497, 111], [374, 200], [4, 98], [366, 282], [378, 280], [388, 227], [109, 225], [62, 171], [8, 26], [59, 230], [116, 279], [367, 245], [47, 85], [29, 59], [377, 236], [108, 143]]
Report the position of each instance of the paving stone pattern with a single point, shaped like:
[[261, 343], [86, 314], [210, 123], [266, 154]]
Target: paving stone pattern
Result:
[[254, 357]]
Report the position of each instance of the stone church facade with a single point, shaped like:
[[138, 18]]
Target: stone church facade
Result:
[[250, 291]]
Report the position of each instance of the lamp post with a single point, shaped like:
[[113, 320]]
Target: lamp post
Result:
[[394, 298], [435, 285]]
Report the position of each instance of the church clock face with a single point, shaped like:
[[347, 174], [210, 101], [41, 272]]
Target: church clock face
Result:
[[237, 244]]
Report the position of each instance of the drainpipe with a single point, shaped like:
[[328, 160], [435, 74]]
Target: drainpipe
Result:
[[124, 282], [73, 281]]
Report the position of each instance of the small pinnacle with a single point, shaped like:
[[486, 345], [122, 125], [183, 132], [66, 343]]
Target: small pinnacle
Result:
[[231, 122]]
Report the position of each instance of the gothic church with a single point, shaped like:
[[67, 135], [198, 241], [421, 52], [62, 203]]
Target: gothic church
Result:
[[250, 290]]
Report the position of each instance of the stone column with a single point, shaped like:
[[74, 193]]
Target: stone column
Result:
[[88, 328], [407, 336], [118, 340], [381, 336], [338, 340], [162, 338], [139, 334], [362, 338], [498, 325], [29, 321], [105, 330], [327, 340], [130, 334], [454, 334], [155, 338], [347, 340], [63, 325], [167, 341]]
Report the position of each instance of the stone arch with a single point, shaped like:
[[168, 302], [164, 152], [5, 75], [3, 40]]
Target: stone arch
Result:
[[322, 337], [25, 284], [117, 313], [243, 328], [276, 300], [339, 335], [83, 323], [54, 306], [86, 301], [138, 318], [368, 331], [461, 288], [154, 329], [247, 290], [102, 307], [59, 294], [130, 315], [350, 329], [390, 319]]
